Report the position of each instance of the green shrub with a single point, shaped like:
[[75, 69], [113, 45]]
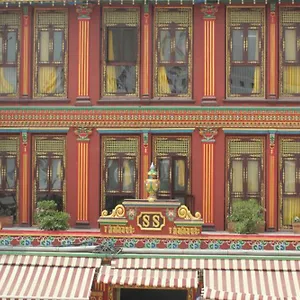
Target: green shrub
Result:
[[48, 218], [246, 215]]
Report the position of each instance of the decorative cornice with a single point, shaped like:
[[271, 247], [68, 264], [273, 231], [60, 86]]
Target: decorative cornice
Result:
[[84, 11], [208, 134], [83, 134], [209, 11]]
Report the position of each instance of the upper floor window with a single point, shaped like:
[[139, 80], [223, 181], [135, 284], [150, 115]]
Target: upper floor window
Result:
[[290, 51], [50, 69], [245, 52], [9, 53], [173, 58], [120, 52]]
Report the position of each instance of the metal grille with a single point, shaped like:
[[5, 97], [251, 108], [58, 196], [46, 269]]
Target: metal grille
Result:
[[253, 16], [55, 145], [182, 16], [10, 19], [121, 145], [112, 17], [290, 15], [55, 18], [251, 146], [164, 145], [290, 146], [10, 145]]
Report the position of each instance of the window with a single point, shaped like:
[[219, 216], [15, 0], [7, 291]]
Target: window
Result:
[[245, 171], [173, 59], [9, 150], [289, 183], [121, 52], [245, 52], [120, 170], [49, 176], [9, 53], [172, 158], [290, 51], [51, 30]]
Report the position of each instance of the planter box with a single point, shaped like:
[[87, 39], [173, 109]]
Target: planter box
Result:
[[296, 227], [6, 221]]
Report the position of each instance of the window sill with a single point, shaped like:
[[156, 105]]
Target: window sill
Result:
[[34, 100], [263, 100], [118, 100], [177, 100]]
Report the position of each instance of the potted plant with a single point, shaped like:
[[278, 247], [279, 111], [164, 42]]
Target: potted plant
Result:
[[6, 215], [296, 224], [49, 218], [247, 216]]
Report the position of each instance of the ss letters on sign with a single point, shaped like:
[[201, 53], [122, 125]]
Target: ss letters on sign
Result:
[[151, 221]]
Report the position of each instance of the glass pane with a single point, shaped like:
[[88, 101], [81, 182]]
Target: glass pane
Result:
[[0, 174], [165, 45], [237, 44], [164, 175], [58, 46], [291, 208], [44, 46], [291, 79], [11, 173], [290, 39], [129, 45], [50, 80], [42, 173], [8, 80], [245, 80], [253, 176], [128, 175], [179, 175], [114, 37], [237, 176], [113, 178], [253, 45], [1, 48], [180, 45], [56, 174], [121, 79], [56, 197], [289, 177], [11, 47], [172, 80], [8, 204]]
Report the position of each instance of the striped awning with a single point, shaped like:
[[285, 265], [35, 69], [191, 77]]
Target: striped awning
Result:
[[46, 277], [253, 279], [149, 272]]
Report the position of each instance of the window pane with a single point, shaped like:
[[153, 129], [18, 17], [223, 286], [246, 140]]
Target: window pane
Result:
[[58, 46], [179, 175], [253, 176], [253, 45], [237, 44], [164, 175], [237, 176], [8, 80], [50, 80], [290, 39], [11, 47], [113, 179], [0, 173], [11, 173], [8, 204], [44, 46], [245, 80], [56, 174], [128, 175], [114, 36], [180, 45], [43, 173], [129, 45], [289, 177], [165, 45], [1, 48], [291, 79]]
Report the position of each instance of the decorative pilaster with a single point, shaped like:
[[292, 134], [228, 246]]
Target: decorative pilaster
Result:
[[272, 62], [145, 158], [145, 56], [83, 175], [208, 141], [24, 217], [272, 178], [209, 11], [84, 12], [25, 53]]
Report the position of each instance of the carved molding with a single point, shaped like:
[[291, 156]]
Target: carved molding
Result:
[[83, 134], [84, 12], [208, 134], [209, 11]]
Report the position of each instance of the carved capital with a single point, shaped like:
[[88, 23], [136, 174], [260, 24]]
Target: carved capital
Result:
[[209, 11], [84, 12], [272, 143], [24, 138], [208, 134], [83, 134]]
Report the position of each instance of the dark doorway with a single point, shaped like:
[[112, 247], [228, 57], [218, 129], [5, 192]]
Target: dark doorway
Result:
[[150, 294]]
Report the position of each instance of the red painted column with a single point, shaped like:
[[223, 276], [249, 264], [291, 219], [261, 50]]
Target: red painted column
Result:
[[145, 163]]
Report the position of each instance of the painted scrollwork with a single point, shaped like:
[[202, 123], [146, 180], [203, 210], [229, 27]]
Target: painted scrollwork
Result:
[[118, 212], [184, 213]]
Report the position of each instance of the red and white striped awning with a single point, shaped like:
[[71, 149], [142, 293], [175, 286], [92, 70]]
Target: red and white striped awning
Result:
[[257, 279], [46, 277], [149, 272]]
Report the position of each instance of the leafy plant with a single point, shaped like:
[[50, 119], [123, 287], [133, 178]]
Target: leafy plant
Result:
[[246, 215], [49, 218], [297, 219]]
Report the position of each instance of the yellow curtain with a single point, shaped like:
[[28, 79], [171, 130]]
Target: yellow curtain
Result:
[[111, 80], [291, 208], [256, 87], [237, 176], [5, 86], [163, 84], [291, 80], [47, 80], [180, 165], [127, 178], [252, 178]]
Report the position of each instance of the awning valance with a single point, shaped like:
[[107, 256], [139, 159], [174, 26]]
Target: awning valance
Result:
[[46, 277]]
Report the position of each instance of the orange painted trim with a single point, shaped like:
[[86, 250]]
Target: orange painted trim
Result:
[[271, 202], [272, 49], [24, 189], [79, 197], [146, 55], [145, 173], [25, 65]]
